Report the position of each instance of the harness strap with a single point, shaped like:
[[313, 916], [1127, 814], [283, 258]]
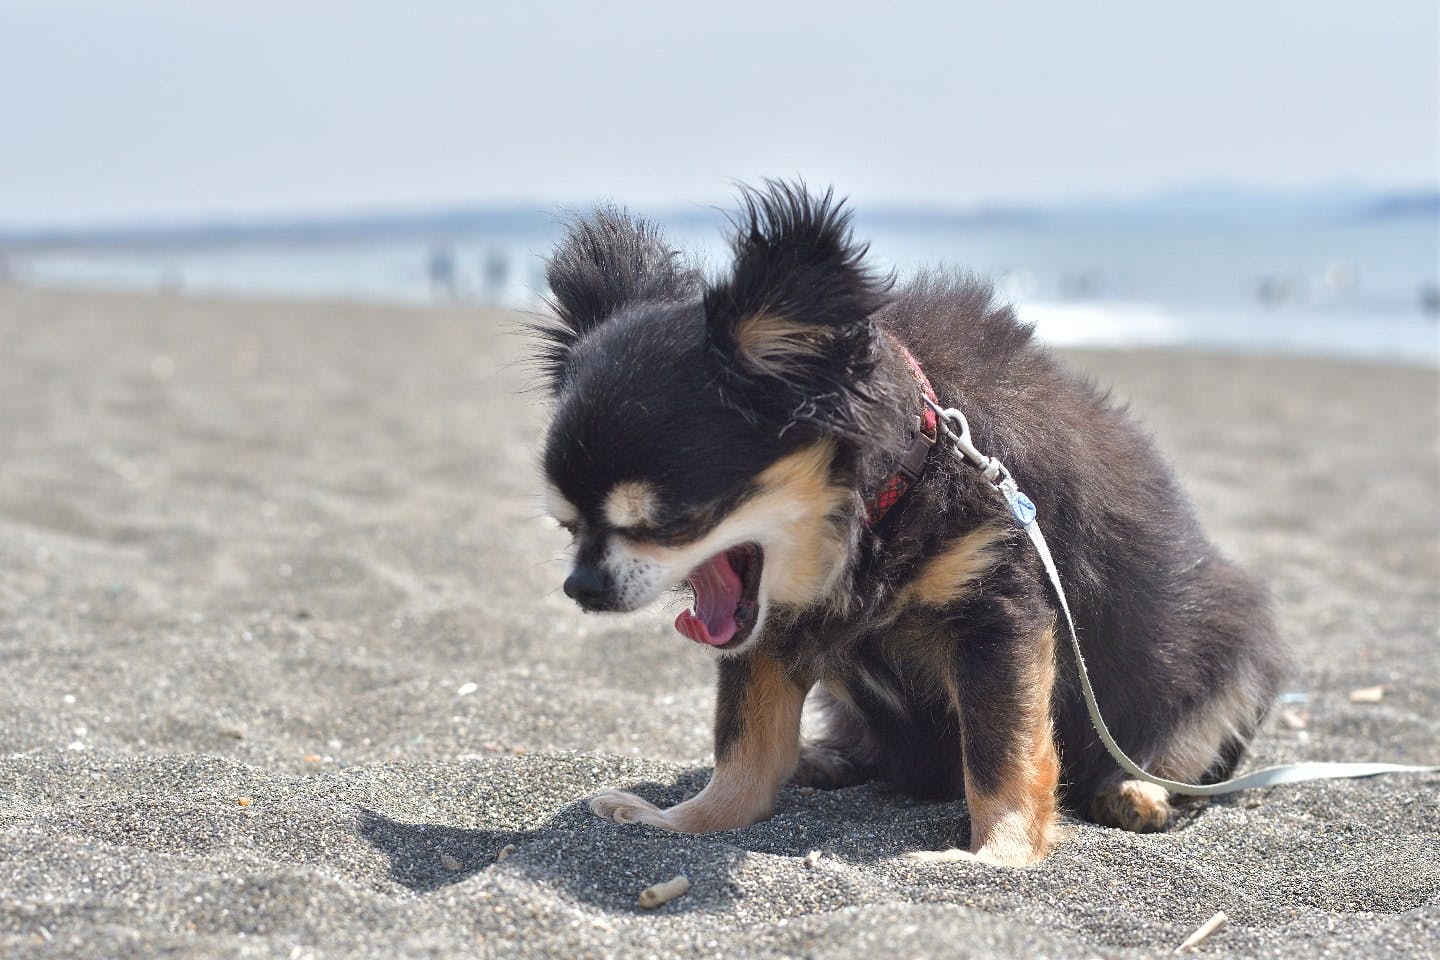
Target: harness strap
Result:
[[956, 431]]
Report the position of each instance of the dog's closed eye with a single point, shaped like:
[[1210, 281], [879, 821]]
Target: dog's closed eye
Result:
[[679, 530]]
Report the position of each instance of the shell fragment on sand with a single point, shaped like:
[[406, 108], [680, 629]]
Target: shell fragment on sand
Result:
[[1367, 695], [662, 893]]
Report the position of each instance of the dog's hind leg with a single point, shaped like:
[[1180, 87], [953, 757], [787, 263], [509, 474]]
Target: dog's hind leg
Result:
[[842, 753], [1204, 747], [757, 747], [1198, 708]]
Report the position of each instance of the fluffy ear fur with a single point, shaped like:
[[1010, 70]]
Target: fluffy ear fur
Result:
[[793, 319], [605, 261]]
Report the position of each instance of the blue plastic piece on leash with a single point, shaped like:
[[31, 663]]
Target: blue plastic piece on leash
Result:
[[1023, 509]]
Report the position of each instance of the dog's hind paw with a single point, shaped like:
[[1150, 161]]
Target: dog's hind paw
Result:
[[1133, 805], [826, 768], [617, 806]]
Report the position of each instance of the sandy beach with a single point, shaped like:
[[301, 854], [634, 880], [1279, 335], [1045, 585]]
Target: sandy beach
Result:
[[285, 671]]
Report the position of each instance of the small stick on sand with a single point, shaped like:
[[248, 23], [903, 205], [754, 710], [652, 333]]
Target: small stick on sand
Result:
[[652, 897], [1203, 933]]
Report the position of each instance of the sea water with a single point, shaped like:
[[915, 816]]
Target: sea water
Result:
[[1366, 288]]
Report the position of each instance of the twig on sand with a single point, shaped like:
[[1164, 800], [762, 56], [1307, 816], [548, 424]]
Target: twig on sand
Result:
[[652, 897], [1203, 932]]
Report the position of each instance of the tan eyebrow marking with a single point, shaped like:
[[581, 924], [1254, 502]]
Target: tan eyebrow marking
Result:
[[631, 503]]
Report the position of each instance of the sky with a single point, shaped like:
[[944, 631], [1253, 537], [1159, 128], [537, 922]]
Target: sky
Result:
[[132, 111]]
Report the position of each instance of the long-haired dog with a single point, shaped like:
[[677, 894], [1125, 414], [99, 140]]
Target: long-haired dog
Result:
[[761, 438]]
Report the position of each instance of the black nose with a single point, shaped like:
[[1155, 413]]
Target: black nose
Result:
[[587, 586]]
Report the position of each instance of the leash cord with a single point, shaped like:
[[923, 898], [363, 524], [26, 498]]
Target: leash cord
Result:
[[955, 430]]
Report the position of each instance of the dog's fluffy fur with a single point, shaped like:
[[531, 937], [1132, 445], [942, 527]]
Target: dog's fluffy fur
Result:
[[729, 434]]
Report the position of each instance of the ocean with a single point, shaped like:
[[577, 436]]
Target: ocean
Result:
[[1364, 289]]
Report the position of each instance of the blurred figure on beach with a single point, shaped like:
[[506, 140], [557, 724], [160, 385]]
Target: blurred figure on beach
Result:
[[495, 277], [441, 270]]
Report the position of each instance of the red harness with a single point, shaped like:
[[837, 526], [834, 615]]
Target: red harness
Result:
[[913, 462]]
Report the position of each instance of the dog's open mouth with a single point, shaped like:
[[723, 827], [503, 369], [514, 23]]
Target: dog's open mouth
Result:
[[727, 604]]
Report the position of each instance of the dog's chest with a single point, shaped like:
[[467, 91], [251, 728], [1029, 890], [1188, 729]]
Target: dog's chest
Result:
[[893, 670]]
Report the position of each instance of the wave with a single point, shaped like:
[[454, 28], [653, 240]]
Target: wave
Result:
[[1375, 334]]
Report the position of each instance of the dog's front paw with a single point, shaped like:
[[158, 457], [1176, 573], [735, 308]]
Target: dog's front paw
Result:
[[617, 806]]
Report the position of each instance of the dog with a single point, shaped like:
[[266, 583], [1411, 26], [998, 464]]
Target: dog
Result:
[[746, 438]]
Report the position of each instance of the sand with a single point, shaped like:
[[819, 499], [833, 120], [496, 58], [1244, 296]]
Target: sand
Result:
[[284, 667]]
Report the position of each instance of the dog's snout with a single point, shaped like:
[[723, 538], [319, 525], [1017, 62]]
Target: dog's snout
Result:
[[588, 586]]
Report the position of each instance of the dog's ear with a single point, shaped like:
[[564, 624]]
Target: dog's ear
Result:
[[794, 316], [606, 260]]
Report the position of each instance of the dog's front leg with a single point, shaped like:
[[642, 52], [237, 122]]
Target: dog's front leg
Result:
[[757, 745], [1002, 692]]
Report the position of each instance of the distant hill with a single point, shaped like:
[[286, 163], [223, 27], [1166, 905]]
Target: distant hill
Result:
[[438, 224], [1417, 204], [1241, 206], [1194, 205]]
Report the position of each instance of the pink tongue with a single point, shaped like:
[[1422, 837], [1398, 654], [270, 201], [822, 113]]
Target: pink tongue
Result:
[[717, 593]]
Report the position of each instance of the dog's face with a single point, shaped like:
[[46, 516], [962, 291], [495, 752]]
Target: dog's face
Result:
[[662, 480], [698, 433]]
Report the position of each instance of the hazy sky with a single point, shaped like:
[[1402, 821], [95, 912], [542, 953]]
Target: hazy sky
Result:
[[182, 109]]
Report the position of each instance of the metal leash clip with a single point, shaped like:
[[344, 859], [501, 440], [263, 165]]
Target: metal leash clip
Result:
[[955, 429]]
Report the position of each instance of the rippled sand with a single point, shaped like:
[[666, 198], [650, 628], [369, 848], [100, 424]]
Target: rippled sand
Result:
[[283, 668]]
